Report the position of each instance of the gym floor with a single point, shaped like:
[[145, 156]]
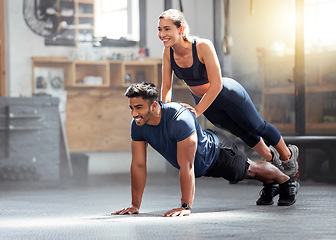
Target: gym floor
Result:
[[80, 209]]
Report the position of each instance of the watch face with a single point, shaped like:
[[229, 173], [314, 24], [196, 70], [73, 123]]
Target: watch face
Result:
[[185, 206]]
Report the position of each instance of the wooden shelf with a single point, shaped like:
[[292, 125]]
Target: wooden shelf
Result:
[[86, 1], [40, 60], [309, 89], [278, 90], [82, 24], [278, 93], [311, 128], [321, 126], [84, 15], [115, 73], [90, 74], [285, 128], [321, 89]]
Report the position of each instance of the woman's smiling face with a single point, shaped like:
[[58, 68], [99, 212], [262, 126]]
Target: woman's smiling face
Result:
[[168, 33]]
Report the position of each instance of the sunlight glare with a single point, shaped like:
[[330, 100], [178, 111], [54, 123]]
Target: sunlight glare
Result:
[[319, 23]]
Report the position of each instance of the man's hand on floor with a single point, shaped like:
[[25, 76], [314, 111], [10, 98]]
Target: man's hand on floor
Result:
[[177, 212], [129, 210]]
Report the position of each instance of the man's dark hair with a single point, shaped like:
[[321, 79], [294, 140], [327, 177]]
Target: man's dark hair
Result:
[[145, 90]]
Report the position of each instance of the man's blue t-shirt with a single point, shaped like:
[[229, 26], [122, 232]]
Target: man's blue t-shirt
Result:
[[178, 123]]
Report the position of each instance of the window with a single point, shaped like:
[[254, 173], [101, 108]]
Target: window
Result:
[[117, 18], [320, 19]]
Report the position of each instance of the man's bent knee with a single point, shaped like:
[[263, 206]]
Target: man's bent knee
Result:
[[252, 170]]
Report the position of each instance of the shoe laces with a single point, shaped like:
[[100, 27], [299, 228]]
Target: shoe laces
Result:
[[291, 189], [268, 190], [287, 164]]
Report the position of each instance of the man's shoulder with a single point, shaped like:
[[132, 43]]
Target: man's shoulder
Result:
[[175, 110], [172, 105]]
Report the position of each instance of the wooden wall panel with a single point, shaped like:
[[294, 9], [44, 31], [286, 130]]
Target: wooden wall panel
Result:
[[98, 120]]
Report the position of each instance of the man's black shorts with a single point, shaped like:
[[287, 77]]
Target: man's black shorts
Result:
[[231, 163]]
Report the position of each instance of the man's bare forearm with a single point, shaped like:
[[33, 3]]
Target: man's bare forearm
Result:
[[138, 182], [187, 182]]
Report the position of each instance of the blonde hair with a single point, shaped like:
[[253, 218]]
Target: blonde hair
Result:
[[178, 19]]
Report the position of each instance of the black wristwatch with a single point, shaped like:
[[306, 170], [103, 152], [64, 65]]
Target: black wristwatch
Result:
[[185, 206]]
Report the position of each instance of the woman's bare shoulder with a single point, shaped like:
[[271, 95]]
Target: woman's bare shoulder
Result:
[[204, 45], [203, 41]]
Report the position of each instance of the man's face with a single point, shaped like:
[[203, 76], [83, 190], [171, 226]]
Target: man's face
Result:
[[140, 111]]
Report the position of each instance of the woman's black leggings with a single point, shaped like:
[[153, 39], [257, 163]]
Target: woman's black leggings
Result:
[[233, 110]]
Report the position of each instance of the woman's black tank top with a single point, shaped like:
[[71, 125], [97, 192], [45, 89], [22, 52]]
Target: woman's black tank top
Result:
[[195, 75]]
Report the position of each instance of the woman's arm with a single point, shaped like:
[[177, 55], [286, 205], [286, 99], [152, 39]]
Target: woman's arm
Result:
[[207, 54], [167, 79]]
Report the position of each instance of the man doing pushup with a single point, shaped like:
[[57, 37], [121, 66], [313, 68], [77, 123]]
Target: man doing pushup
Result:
[[175, 133]]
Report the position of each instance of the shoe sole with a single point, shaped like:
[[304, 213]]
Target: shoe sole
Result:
[[294, 201], [265, 204], [287, 204]]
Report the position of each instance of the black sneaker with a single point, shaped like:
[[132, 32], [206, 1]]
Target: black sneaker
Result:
[[267, 193], [287, 192]]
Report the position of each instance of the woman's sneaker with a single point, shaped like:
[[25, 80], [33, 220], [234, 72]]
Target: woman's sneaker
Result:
[[276, 158], [268, 193], [291, 166]]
